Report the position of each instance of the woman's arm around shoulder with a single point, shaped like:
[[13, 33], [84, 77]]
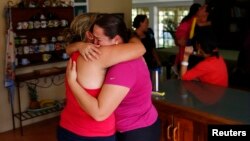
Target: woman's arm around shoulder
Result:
[[85, 49], [114, 54]]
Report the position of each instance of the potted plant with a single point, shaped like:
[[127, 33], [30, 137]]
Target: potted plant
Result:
[[34, 103], [169, 26]]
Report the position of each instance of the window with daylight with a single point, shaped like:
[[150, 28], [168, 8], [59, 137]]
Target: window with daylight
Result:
[[168, 20]]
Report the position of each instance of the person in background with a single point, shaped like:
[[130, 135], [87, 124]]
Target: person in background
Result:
[[75, 124], [203, 23], [213, 68], [126, 91], [146, 35], [182, 34]]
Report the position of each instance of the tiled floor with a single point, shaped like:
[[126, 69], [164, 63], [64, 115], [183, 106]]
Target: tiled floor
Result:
[[41, 131]]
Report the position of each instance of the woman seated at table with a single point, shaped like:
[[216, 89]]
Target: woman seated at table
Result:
[[212, 69]]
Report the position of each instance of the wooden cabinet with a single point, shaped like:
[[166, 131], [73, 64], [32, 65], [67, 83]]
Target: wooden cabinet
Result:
[[184, 124], [176, 128], [38, 31]]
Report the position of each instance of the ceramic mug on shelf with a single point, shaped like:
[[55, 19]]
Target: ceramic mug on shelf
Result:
[[25, 25], [17, 41], [25, 61], [42, 17], [56, 23], [46, 57], [26, 49], [32, 48], [53, 39], [34, 41], [64, 22], [43, 24], [42, 48], [47, 47], [24, 41], [30, 25], [19, 26], [37, 24], [65, 56], [20, 50], [36, 49], [50, 23], [51, 47], [60, 38], [44, 40]]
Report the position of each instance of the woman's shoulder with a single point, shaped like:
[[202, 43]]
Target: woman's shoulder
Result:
[[211, 61]]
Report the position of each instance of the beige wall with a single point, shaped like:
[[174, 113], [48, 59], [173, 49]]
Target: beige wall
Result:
[[113, 6], [54, 92]]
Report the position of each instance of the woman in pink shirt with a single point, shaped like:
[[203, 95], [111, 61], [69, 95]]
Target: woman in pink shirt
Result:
[[126, 90]]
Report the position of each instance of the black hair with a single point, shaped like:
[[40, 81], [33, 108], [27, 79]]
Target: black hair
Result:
[[192, 11], [113, 25], [138, 19], [208, 42]]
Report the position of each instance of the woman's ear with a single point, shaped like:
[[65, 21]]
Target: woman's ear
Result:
[[117, 39], [89, 36]]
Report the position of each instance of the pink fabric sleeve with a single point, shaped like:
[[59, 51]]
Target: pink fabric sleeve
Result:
[[120, 75]]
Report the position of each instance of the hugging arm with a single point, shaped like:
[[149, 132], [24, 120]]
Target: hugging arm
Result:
[[73, 47], [101, 107], [109, 55], [115, 54], [84, 48]]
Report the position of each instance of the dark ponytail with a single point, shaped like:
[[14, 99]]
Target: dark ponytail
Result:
[[208, 42]]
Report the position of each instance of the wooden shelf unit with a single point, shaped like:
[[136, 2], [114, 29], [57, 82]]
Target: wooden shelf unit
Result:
[[25, 115], [25, 35]]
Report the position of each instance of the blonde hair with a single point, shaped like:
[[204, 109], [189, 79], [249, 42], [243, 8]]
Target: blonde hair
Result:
[[79, 26]]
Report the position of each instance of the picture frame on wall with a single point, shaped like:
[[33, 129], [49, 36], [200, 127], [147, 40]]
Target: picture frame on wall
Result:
[[80, 6], [79, 10], [81, 1]]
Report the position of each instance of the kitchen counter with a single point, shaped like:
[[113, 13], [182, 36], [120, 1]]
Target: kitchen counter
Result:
[[189, 107], [224, 104]]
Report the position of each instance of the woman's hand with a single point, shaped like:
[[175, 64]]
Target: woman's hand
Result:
[[90, 51], [71, 73], [188, 50]]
